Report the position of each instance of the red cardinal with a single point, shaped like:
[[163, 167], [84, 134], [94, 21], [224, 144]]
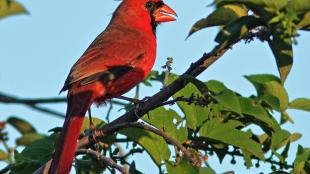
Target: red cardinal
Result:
[[117, 60]]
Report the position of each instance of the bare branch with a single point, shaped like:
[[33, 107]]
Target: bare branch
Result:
[[194, 70], [99, 157], [169, 139], [34, 103]]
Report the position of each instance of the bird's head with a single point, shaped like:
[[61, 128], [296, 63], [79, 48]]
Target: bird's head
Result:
[[159, 11], [153, 11]]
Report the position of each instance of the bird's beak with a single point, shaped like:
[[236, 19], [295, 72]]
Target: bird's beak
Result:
[[163, 14]]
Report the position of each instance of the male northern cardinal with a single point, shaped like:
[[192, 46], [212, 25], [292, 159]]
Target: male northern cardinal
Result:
[[117, 60]]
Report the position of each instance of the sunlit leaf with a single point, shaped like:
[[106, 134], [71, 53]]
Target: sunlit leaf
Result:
[[221, 16], [29, 138], [283, 53], [195, 115], [286, 117], [247, 158], [299, 6], [21, 125], [300, 104], [234, 31], [304, 22], [301, 163], [277, 90], [260, 7], [252, 109], [215, 86], [184, 167], [259, 79], [227, 133], [11, 7], [281, 137], [167, 121], [86, 123], [229, 100], [3, 155], [155, 145]]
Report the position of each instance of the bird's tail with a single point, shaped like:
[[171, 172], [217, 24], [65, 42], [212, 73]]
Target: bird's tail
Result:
[[77, 107]]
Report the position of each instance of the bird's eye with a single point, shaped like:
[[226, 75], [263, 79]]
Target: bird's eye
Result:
[[149, 5]]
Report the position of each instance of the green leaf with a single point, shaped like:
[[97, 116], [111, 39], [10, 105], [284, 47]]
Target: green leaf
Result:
[[247, 158], [33, 156], [221, 16], [215, 86], [251, 108], [21, 125], [286, 117], [277, 90], [300, 104], [206, 170], [27, 139], [86, 165], [261, 7], [304, 22], [11, 7], [3, 155], [301, 163], [281, 137], [259, 79], [283, 53], [96, 121], [155, 145], [236, 30], [167, 121], [195, 115], [299, 6], [268, 87], [229, 100], [199, 84], [184, 167], [227, 133]]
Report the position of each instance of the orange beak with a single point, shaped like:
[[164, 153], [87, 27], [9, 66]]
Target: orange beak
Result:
[[163, 14]]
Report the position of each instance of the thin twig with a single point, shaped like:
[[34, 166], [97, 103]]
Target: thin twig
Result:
[[169, 139], [34, 103], [99, 157], [203, 146]]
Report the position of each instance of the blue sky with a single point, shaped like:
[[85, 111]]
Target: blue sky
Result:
[[37, 51]]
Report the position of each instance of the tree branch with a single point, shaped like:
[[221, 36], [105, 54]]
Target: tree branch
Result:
[[34, 103], [99, 157], [194, 70], [169, 139]]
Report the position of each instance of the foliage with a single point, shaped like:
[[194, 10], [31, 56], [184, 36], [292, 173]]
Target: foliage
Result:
[[212, 118], [11, 7]]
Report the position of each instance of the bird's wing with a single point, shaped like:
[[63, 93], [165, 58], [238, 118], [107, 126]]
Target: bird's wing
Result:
[[105, 56]]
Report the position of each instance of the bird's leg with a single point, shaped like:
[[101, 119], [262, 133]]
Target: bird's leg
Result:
[[91, 123], [92, 126]]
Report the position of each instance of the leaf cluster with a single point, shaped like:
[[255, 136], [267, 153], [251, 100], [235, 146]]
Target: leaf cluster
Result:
[[276, 21]]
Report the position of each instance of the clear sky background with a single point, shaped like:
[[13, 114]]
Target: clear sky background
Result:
[[37, 51]]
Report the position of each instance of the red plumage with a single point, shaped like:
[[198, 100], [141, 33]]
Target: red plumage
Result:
[[118, 59]]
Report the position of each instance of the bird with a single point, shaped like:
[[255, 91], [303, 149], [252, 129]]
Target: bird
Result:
[[116, 61]]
